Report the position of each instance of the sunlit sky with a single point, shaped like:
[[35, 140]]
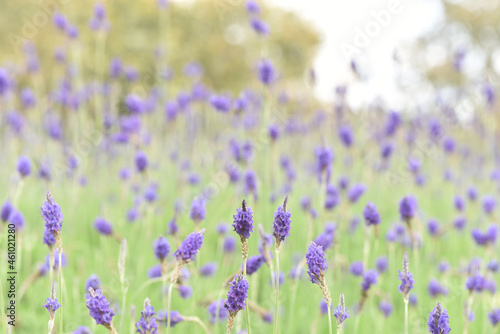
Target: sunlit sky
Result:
[[338, 21]]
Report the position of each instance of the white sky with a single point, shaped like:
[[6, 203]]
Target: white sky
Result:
[[337, 21]]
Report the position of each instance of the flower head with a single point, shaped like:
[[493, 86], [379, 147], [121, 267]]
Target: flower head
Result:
[[254, 263], [438, 322], [266, 72], [237, 295], [147, 324], [408, 208], [51, 213], [282, 222], [494, 316], [340, 312], [161, 248], [208, 269], [386, 308], [7, 209], [190, 246], [24, 166], [98, 306], [103, 226], [197, 210], [93, 282], [369, 278], [406, 278], [316, 262], [372, 217], [243, 221], [212, 311]]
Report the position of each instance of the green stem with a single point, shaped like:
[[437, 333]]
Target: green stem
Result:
[[406, 315], [61, 285], [247, 312], [330, 319], [169, 305], [277, 291]]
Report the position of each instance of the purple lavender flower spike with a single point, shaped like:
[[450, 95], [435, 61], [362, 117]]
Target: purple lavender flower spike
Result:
[[17, 218], [212, 311], [281, 224], [190, 247], [103, 226], [381, 264], [369, 278], [185, 291], [435, 289], [254, 263], [386, 308], [340, 313], [7, 209], [52, 215], [494, 317], [221, 103], [475, 283], [175, 317], [372, 217], [406, 279], [52, 304], [154, 271], [346, 135], [252, 7], [93, 282], [324, 158], [141, 161], [243, 221], [236, 298], [489, 203], [355, 192], [147, 324], [266, 72], [408, 208], [197, 213], [82, 330], [208, 269], [229, 244], [259, 26], [356, 268], [24, 166], [316, 262], [438, 322], [99, 308], [161, 248]]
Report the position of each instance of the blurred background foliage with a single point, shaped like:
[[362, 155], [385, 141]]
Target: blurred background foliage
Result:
[[212, 32]]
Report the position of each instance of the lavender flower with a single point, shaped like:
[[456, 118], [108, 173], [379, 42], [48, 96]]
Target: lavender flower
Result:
[[406, 278], [103, 226], [99, 308], [52, 304], [208, 269], [486, 238], [17, 218], [254, 263], [369, 278], [190, 247], [141, 161], [316, 262], [161, 248], [24, 166], [51, 213], [386, 308], [243, 221], [7, 209], [82, 330], [266, 72], [434, 288], [48, 239], [341, 313], [475, 283], [489, 203], [93, 282], [372, 217], [259, 26], [185, 291], [147, 323], [408, 208], [355, 192], [236, 298], [281, 223], [175, 317], [494, 316], [197, 213], [324, 158], [212, 311], [154, 271], [438, 322], [346, 135], [357, 268], [381, 264]]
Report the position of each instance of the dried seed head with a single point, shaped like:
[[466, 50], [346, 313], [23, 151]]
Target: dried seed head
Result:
[[53, 290], [406, 264], [244, 205], [121, 259], [147, 302], [285, 202], [49, 197], [342, 301]]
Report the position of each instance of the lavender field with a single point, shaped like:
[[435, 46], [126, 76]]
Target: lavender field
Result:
[[169, 167]]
